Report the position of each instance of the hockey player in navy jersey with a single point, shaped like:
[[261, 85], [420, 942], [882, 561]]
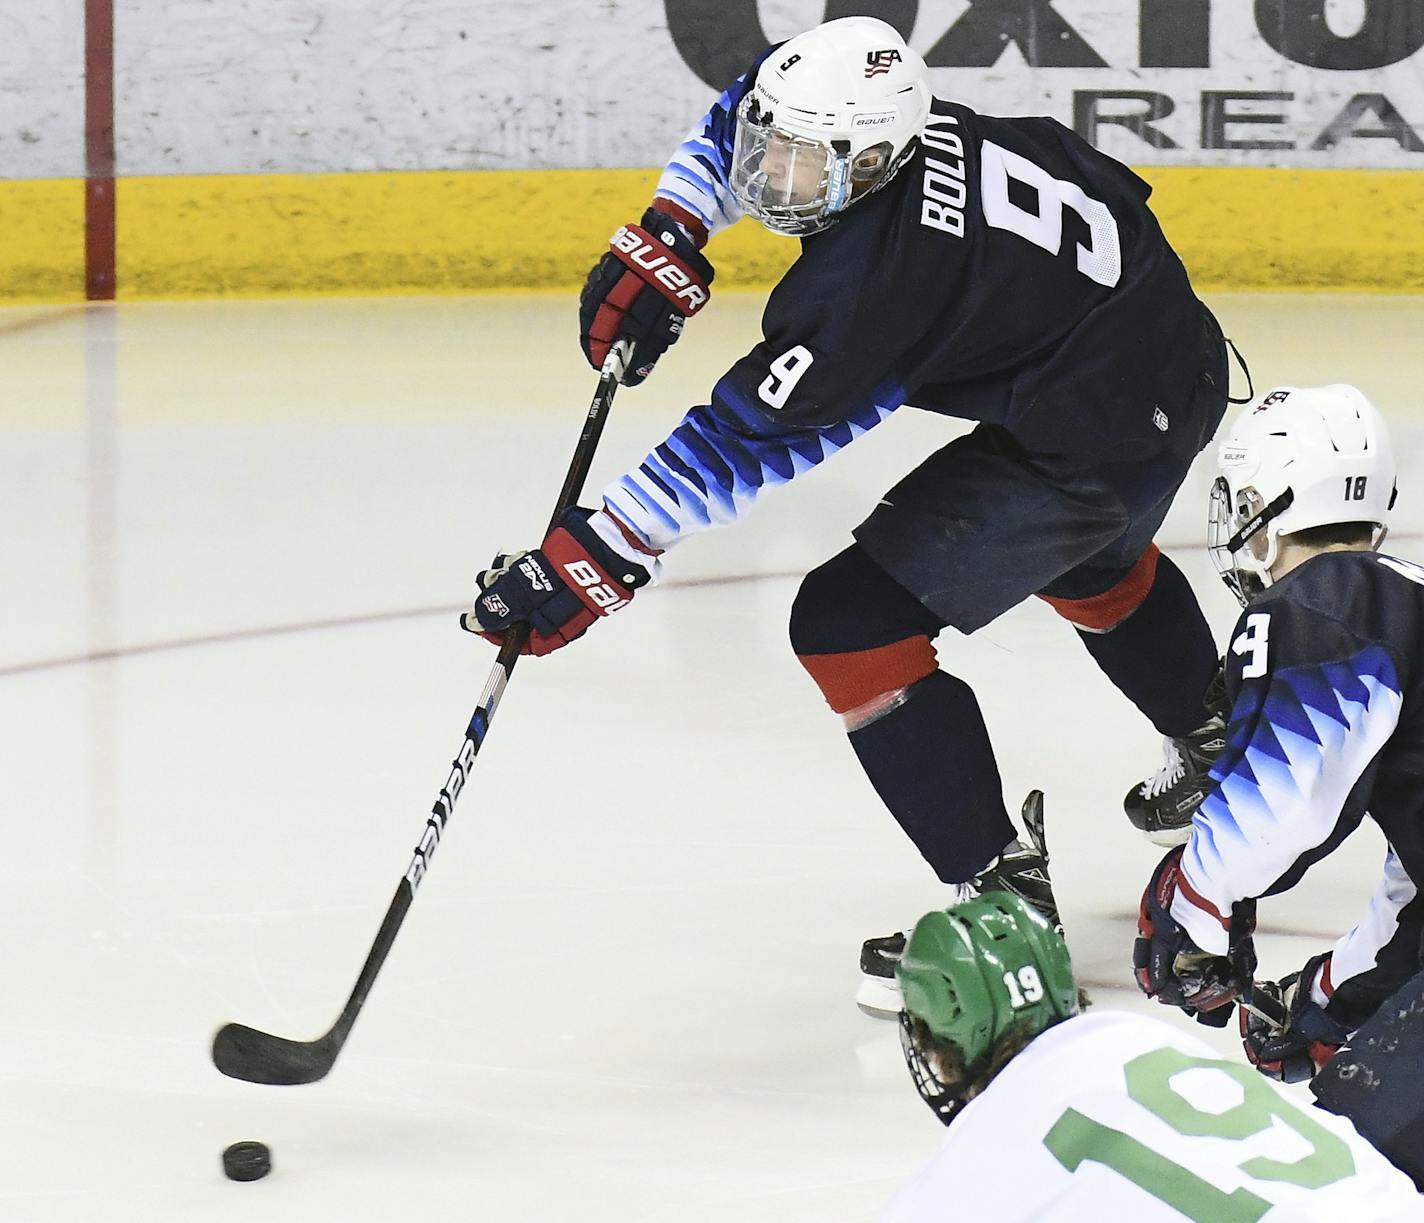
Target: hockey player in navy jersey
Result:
[[998, 270], [1054, 1113], [1327, 723]]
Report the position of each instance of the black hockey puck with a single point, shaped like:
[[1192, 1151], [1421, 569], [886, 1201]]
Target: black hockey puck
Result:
[[247, 1161]]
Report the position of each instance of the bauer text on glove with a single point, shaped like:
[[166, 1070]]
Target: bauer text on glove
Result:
[[652, 279], [558, 589]]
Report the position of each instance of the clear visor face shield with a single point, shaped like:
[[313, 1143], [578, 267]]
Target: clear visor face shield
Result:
[[792, 184]]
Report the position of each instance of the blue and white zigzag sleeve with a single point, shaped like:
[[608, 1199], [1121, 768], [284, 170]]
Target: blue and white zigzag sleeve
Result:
[[696, 178], [718, 460], [1296, 747]]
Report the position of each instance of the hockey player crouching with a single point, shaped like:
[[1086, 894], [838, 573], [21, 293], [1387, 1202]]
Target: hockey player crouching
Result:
[[1057, 1114], [1324, 671]]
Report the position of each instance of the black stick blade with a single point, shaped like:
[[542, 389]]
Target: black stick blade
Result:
[[245, 1053]]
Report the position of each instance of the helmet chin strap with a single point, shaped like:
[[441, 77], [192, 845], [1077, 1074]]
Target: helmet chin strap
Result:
[[838, 189], [1258, 521]]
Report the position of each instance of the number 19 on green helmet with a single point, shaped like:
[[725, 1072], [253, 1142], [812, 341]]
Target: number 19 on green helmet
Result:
[[979, 982]]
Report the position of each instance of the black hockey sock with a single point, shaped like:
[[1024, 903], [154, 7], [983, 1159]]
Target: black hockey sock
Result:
[[1163, 656], [931, 762]]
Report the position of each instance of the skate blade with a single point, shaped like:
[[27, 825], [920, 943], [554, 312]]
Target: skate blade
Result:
[[1168, 838], [879, 998]]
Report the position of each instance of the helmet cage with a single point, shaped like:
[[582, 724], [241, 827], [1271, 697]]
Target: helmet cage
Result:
[[946, 1101], [1245, 571]]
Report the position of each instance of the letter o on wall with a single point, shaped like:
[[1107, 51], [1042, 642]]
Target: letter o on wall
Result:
[[1393, 30]]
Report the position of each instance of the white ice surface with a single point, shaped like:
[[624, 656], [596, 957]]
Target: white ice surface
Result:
[[235, 536]]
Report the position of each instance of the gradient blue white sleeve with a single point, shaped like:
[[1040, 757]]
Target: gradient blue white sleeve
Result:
[[1298, 743], [696, 178], [1358, 952], [716, 463]]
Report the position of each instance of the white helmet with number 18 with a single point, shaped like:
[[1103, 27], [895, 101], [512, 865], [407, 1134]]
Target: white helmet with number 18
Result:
[[832, 115], [1298, 457]]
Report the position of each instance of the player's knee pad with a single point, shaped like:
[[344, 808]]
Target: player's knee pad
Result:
[[863, 638], [864, 685], [1101, 613]]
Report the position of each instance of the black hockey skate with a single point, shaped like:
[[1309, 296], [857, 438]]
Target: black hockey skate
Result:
[[1021, 869], [1161, 808]]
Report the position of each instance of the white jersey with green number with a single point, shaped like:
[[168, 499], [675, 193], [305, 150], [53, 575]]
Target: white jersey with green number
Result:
[[1114, 1116]]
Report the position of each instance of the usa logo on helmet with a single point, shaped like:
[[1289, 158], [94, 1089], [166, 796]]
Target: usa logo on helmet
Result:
[[877, 62]]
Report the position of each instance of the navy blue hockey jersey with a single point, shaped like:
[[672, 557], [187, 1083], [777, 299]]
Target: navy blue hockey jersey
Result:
[[1327, 724], [1009, 273]]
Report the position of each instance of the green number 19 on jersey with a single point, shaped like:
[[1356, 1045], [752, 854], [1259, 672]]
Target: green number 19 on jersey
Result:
[[1076, 1138]]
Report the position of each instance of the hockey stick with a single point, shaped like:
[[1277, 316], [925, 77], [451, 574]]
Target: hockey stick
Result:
[[1241, 956], [245, 1053], [1262, 1005]]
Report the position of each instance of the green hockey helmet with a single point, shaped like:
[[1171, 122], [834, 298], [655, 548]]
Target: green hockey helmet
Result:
[[972, 974]]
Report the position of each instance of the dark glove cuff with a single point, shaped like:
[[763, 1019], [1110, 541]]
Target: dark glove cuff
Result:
[[689, 221], [670, 233], [1309, 976], [1308, 1017]]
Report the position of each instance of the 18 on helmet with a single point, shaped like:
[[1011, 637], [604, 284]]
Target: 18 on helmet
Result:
[[832, 115], [1298, 457], [972, 975]]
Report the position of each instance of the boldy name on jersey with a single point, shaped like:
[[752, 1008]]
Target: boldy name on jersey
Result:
[[944, 189]]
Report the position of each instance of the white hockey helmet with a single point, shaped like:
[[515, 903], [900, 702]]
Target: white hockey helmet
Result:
[[832, 115], [1297, 457]]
